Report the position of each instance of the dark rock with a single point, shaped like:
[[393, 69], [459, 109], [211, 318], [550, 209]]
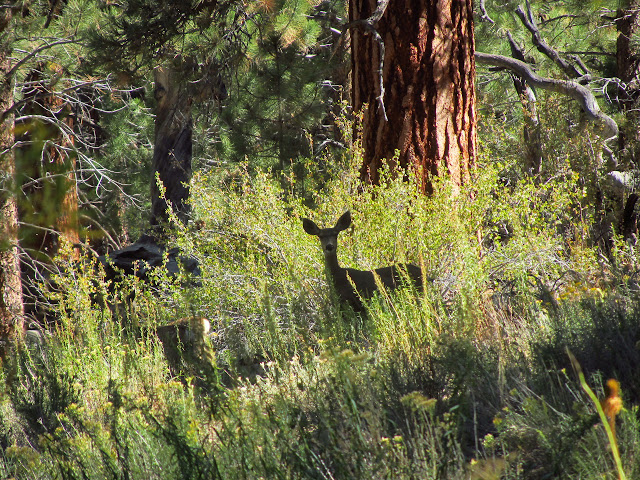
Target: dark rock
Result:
[[145, 255]]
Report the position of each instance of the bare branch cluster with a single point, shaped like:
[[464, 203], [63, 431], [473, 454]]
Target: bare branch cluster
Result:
[[573, 89], [528, 20], [577, 74]]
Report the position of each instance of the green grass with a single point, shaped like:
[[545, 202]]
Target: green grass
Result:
[[466, 379]]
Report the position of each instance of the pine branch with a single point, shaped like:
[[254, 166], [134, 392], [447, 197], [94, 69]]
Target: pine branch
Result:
[[35, 52]]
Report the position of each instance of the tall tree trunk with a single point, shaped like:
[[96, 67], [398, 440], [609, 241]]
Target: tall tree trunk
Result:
[[11, 308], [48, 205], [429, 92], [628, 63], [172, 148]]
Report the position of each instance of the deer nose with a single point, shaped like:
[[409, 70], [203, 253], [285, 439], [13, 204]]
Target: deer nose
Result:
[[329, 248]]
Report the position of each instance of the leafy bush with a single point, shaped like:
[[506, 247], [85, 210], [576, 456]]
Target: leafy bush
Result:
[[466, 378]]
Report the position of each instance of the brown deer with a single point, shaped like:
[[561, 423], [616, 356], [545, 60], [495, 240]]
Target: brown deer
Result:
[[345, 279]]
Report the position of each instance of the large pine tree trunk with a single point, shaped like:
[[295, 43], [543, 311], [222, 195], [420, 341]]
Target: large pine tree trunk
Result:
[[11, 308], [173, 147], [429, 72]]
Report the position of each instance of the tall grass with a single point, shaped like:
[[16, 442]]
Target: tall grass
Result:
[[465, 379]]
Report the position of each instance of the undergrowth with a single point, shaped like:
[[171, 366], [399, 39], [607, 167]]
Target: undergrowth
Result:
[[467, 378]]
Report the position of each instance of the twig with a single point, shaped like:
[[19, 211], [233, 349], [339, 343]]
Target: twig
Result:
[[485, 16], [368, 24], [543, 47]]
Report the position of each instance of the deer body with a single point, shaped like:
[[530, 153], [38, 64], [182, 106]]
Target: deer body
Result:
[[345, 279]]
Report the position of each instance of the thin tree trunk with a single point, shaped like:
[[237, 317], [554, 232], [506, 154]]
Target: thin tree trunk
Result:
[[11, 308], [173, 147], [628, 66], [531, 129], [429, 92], [48, 204], [628, 57]]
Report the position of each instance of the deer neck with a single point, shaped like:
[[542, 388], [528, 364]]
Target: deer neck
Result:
[[332, 266]]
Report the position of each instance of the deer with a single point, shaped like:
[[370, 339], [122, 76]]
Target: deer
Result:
[[349, 283]]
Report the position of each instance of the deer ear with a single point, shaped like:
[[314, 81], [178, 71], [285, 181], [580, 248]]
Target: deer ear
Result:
[[310, 227], [344, 221]]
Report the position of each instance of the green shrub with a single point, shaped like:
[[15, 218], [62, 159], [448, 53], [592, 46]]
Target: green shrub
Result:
[[464, 378]]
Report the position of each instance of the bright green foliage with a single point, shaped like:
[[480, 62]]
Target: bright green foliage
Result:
[[470, 370], [465, 379]]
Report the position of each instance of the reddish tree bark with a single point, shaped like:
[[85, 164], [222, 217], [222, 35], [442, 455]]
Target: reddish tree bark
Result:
[[428, 78], [11, 308], [48, 204]]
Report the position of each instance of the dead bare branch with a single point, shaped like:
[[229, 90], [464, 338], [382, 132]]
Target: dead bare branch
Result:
[[543, 47], [485, 16], [368, 24], [578, 92]]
